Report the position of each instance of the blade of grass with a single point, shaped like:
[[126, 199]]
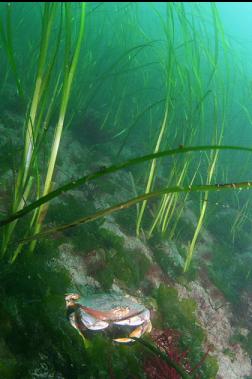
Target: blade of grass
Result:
[[78, 182], [143, 197]]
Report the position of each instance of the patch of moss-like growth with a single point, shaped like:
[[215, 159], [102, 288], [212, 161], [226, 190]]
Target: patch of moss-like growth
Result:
[[229, 353], [93, 236], [109, 239], [173, 264], [33, 316], [244, 341], [211, 367], [247, 344], [66, 209], [230, 272], [128, 267], [111, 360], [180, 315], [125, 265]]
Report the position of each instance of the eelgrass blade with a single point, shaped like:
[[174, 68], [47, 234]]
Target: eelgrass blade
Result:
[[70, 69], [78, 182], [7, 40], [133, 201], [152, 168]]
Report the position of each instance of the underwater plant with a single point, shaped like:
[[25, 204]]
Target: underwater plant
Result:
[[117, 207], [158, 84], [185, 90], [40, 111]]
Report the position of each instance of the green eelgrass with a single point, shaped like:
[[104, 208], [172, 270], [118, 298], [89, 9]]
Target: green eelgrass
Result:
[[239, 220], [184, 79], [135, 121], [168, 204], [26, 172], [70, 70], [217, 135], [169, 70], [78, 182], [7, 41], [194, 86], [212, 167], [109, 72], [134, 201], [152, 168], [41, 109], [180, 207]]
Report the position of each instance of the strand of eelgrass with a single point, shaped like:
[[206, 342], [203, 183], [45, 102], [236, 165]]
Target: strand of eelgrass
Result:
[[7, 40], [214, 61], [181, 207], [99, 82], [41, 113], [34, 163], [135, 122], [172, 61], [239, 220], [66, 91], [134, 201], [152, 169], [159, 215], [87, 178], [22, 186], [211, 171], [168, 203], [32, 128], [31, 161], [202, 215], [172, 201], [171, 205]]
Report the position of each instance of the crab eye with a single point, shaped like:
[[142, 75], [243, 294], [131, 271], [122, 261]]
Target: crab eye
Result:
[[72, 296]]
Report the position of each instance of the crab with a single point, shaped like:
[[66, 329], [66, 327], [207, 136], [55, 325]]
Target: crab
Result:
[[124, 322]]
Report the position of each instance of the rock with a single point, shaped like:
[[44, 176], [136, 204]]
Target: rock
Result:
[[75, 265], [246, 308], [214, 315]]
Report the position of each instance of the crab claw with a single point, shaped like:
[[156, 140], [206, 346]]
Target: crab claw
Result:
[[136, 320], [92, 323], [137, 333]]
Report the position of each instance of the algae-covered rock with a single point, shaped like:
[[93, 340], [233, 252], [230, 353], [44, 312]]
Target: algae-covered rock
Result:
[[214, 315], [180, 314]]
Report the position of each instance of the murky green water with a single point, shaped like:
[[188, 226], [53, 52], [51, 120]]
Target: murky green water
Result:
[[125, 171]]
